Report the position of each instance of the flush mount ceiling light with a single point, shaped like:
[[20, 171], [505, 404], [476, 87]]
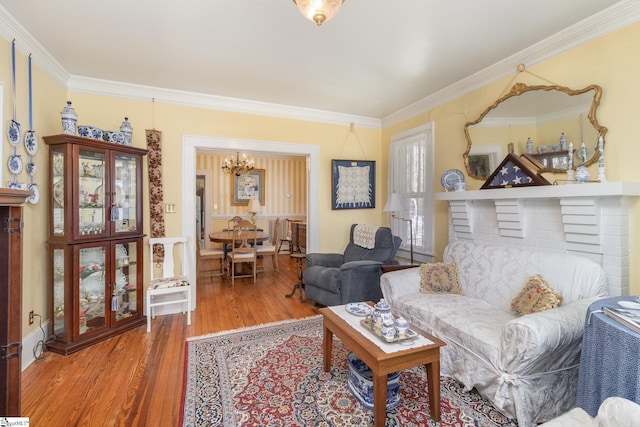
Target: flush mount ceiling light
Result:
[[319, 11]]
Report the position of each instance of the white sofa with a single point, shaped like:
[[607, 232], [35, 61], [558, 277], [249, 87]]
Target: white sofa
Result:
[[526, 366], [613, 412]]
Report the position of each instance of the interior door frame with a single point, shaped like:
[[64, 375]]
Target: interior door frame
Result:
[[192, 143], [207, 202]]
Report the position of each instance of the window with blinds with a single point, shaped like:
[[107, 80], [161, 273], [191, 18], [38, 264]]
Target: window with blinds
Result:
[[411, 165]]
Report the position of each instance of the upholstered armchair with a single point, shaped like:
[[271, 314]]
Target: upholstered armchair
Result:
[[334, 279]]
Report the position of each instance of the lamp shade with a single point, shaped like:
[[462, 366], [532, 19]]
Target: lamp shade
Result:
[[254, 206], [394, 203], [319, 11]]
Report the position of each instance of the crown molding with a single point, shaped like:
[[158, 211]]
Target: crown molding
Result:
[[199, 100], [613, 18], [10, 29]]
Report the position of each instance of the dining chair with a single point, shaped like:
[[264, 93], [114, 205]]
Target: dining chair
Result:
[[243, 250], [230, 224], [233, 222], [266, 249], [209, 255], [172, 285]]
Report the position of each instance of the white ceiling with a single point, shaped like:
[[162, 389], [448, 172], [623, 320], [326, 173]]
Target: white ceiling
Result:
[[373, 59]]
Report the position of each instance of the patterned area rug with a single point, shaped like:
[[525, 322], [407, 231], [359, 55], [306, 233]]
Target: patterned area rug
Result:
[[272, 375]]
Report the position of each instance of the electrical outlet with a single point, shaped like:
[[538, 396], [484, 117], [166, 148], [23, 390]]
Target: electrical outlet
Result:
[[31, 317]]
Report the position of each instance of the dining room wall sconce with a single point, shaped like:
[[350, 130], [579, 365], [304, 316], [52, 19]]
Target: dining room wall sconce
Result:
[[319, 11], [394, 204], [254, 208]]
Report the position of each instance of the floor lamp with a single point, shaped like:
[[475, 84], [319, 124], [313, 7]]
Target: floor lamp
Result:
[[394, 204]]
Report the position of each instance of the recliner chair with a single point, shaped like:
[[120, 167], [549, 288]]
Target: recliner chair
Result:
[[335, 279]]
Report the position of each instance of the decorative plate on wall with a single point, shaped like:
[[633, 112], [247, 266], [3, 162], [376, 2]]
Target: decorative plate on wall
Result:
[[31, 142], [450, 178], [15, 164]]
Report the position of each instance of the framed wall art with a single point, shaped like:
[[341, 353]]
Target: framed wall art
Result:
[[246, 187], [353, 184]]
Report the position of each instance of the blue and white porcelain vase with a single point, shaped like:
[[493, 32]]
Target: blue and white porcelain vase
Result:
[[127, 130], [69, 119], [563, 142], [529, 146], [582, 174]]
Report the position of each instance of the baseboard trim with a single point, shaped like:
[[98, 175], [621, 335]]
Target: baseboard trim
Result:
[[30, 342]]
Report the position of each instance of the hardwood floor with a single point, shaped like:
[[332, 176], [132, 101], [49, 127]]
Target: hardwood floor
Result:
[[135, 379]]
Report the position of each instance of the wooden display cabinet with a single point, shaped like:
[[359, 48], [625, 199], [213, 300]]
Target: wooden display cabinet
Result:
[[95, 241], [11, 225]]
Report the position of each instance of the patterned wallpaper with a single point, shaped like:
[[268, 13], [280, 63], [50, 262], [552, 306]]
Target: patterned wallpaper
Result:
[[285, 185]]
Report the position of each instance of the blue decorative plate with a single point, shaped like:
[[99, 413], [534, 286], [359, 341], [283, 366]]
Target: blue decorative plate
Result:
[[15, 164], [35, 197], [13, 132], [31, 168], [358, 308], [31, 142], [450, 178]]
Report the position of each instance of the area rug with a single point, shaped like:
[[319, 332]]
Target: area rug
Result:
[[272, 375]]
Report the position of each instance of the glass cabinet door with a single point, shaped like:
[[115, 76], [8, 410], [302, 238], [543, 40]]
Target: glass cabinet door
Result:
[[124, 301], [124, 208], [92, 289], [91, 192], [59, 296], [57, 193]]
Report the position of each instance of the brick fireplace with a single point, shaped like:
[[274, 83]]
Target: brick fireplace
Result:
[[590, 220]]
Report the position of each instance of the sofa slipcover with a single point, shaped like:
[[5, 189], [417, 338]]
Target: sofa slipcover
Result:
[[526, 366]]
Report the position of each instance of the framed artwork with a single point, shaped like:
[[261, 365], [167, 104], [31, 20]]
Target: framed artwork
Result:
[[246, 187], [353, 184]]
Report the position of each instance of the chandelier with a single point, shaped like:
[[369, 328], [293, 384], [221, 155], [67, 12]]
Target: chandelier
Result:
[[319, 11], [238, 166]]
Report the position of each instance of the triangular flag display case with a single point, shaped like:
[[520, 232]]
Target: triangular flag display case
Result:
[[515, 171]]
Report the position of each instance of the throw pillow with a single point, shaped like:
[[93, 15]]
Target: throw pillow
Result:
[[440, 277], [537, 295]]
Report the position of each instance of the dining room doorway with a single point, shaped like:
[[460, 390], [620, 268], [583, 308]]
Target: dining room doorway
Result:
[[192, 143]]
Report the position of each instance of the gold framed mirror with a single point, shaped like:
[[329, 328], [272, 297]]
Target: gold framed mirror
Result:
[[542, 114]]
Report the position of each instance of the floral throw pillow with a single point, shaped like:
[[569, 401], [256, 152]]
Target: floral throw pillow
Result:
[[537, 295], [439, 278]]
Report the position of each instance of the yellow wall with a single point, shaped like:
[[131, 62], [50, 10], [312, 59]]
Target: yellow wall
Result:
[[282, 177], [285, 182], [48, 98], [606, 61]]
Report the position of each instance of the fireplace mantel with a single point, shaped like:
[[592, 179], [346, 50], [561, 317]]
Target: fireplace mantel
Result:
[[608, 189], [590, 220]]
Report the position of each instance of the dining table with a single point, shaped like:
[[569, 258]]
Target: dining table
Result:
[[227, 238]]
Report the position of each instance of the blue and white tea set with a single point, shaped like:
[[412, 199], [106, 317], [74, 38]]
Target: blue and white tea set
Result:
[[386, 324]]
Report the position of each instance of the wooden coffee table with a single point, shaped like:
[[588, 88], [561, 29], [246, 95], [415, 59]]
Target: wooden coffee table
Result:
[[382, 363]]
